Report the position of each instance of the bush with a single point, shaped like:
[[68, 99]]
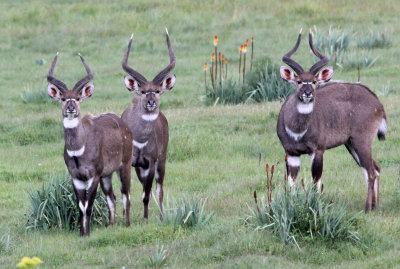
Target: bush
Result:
[[54, 206], [186, 213], [304, 213]]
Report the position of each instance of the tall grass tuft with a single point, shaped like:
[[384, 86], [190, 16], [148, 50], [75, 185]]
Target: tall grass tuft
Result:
[[35, 96], [159, 257], [53, 206], [270, 86], [364, 59], [375, 40], [6, 242], [228, 92], [304, 213], [186, 213]]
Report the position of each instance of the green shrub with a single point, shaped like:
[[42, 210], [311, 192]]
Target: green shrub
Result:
[[304, 213], [374, 40], [186, 213], [38, 96], [54, 206], [270, 86], [159, 257], [364, 59], [228, 92]]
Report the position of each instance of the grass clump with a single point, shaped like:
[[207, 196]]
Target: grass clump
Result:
[[39, 96], [228, 92], [186, 213], [6, 242], [159, 257], [375, 40], [53, 206], [302, 213]]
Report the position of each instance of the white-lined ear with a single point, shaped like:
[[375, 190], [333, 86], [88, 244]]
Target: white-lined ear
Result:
[[287, 74], [54, 92], [325, 74], [87, 91], [168, 83], [131, 84]]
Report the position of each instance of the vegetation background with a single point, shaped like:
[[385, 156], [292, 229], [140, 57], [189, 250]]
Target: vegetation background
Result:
[[213, 152]]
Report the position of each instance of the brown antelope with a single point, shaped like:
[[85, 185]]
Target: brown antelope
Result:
[[149, 126], [321, 116], [95, 147]]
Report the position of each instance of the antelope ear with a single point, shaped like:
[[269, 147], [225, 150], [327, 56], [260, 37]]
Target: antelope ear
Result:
[[168, 83], [287, 74], [325, 74], [87, 91], [54, 92], [131, 84]]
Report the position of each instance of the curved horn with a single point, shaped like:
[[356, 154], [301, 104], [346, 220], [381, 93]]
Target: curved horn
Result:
[[78, 86], [60, 85], [136, 75], [323, 59], [286, 58], [158, 79]]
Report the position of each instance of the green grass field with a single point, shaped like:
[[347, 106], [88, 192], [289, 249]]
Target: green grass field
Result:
[[213, 152]]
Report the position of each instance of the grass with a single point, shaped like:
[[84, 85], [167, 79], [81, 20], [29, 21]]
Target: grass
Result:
[[213, 152]]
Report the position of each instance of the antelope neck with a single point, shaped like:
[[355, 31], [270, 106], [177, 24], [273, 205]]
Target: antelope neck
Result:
[[74, 136]]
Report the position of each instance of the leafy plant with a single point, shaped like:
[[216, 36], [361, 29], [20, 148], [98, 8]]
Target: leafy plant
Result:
[[363, 59], [54, 206], [159, 256], [38, 96], [228, 92], [6, 242], [186, 213], [303, 213]]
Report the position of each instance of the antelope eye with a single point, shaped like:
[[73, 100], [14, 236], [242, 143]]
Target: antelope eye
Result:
[[63, 99], [142, 92], [157, 91], [77, 99], [314, 82], [298, 82]]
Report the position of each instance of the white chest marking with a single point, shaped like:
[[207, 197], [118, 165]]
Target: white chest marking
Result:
[[305, 108], [139, 145], [76, 153], [149, 117], [69, 124], [295, 136]]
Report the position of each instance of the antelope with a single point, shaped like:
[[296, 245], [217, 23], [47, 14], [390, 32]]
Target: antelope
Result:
[[149, 126], [95, 147], [320, 116]]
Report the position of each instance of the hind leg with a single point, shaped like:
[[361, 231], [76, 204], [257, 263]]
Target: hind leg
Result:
[[106, 186], [159, 175], [375, 200], [124, 177]]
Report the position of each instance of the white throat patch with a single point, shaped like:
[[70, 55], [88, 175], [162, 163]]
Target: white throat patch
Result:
[[305, 108], [76, 153], [139, 145], [295, 136], [70, 123], [150, 117]]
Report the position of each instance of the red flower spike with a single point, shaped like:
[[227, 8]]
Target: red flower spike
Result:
[[267, 168], [272, 169]]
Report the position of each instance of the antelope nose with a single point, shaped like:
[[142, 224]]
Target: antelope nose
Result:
[[308, 92], [70, 108], [151, 102]]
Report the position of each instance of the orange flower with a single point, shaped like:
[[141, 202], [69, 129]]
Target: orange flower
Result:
[[246, 43], [215, 40], [205, 66], [212, 57], [226, 60]]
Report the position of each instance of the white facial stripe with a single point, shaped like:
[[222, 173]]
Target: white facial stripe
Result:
[[107, 183], [305, 108], [307, 83], [76, 153], [79, 184], [295, 136], [69, 124], [150, 117], [293, 161], [139, 145], [365, 175]]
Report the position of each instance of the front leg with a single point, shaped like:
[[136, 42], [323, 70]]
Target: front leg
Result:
[[146, 175], [317, 164], [292, 168]]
